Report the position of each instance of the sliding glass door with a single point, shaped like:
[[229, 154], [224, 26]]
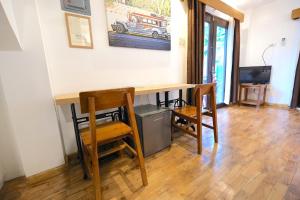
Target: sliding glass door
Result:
[[214, 64]]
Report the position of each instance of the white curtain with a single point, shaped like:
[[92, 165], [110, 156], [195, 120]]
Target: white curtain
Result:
[[229, 60]]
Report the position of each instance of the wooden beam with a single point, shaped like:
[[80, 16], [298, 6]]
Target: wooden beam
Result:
[[296, 14], [223, 7]]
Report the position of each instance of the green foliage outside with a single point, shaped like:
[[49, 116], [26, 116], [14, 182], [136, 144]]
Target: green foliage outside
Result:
[[161, 7]]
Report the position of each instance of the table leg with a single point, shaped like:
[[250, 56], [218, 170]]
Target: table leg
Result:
[[246, 94], [180, 98], [258, 97], [240, 95], [265, 94], [180, 120], [167, 99], [78, 141], [157, 99], [190, 96], [120, 114]]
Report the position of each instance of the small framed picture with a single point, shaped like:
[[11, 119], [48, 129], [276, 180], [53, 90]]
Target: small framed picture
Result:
[[79, 31], [81, 7]]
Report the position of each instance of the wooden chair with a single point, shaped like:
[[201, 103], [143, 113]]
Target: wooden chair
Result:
[[192, 115], [96, 135]]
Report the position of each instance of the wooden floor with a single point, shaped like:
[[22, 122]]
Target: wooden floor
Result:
[[258, 157]]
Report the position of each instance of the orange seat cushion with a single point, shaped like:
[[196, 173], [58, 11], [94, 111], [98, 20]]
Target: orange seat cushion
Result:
[[190, 111], [106, 132]]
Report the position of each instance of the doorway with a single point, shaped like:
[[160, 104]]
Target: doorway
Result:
[[215, 49]]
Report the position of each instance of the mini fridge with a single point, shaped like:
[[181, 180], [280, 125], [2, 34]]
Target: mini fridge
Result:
[[154, 126]]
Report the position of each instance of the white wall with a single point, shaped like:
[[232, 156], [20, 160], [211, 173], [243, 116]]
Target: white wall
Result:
[[10, 162], [7, 6], [269, 23], [104, 66], [9, 39], [244, 36], [80, 69], [28, 96]]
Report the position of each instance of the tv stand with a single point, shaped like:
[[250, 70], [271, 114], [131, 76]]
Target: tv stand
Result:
[[261, 95]]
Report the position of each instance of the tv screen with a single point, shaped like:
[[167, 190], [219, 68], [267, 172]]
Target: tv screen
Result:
[[255, 75]]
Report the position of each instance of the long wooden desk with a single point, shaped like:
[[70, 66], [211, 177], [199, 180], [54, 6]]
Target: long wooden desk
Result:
[[73, 98]]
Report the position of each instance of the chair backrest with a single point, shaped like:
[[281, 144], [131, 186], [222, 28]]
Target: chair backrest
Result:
[[205, 89], [105, 99], [93, 101]]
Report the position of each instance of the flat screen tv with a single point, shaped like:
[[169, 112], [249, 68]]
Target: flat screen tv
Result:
[[255, 74]]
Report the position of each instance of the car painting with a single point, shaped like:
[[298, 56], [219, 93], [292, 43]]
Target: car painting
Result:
[[130, 25]]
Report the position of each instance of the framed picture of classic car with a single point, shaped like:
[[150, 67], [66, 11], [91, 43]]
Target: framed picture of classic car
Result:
[[141, 24]]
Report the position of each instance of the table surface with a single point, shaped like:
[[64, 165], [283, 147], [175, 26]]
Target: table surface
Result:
[[74, 97]]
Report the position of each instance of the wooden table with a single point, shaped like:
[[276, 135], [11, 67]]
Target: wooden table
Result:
[[73, 98], [261, 95]]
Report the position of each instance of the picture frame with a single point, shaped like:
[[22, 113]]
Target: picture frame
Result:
[[79, 31], [139, 24], [81, 7]]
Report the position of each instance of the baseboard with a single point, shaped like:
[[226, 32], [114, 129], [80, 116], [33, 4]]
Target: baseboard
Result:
[[1, 180], [70, 160], [276, 105], [47, 174]]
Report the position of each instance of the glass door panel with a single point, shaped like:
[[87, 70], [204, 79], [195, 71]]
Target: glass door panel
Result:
[[220, 63], [206, 51], [214, 63]]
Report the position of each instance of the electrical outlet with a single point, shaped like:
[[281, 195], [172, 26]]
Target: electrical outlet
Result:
[[283, 42], [181, 42]]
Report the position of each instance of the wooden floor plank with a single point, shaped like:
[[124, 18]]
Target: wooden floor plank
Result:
[[258, 157]]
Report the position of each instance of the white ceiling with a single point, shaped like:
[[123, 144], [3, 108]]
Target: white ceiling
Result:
[[247, 4]]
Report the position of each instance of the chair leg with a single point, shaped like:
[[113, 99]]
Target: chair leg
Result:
[[87, 163], [136, 138], [214, 116], [172, 127], [199, 138], [96, 177], [199, 120], [140, 157], [215, 125]]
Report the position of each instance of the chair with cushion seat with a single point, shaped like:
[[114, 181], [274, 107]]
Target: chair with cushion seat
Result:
[[192, 115], [97, 135]]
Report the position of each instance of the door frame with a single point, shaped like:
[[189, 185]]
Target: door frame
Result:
[[214, 22]]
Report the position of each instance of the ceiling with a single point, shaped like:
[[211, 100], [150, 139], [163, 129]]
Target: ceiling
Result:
[[247, 4]]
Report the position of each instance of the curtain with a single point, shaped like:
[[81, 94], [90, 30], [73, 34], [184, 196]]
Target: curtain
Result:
[[296, 92], [229, 60], [196, 15], [235, 63]]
